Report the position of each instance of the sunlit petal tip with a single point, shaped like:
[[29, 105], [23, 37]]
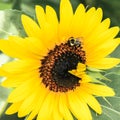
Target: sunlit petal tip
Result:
[[113, 61], [105, 63], [49, 8], [40, 14], [51, 15], [107, 20], [100, 12], [81, 6], [116, 29], [65, 2], [65, 5], [109, 92], [91, 10], [9, 112], [24, 18], [101, 90], [99, 111], [118, 40], [113, 93], [13, 108], [39, 9]]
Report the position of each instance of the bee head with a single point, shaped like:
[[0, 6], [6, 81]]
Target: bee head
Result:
[[74, 42]]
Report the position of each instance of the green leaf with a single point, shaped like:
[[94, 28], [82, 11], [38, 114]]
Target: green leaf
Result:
[[10, 23], [3, 96], [97, 76], [110, 112], [115, 70], [110, 106]]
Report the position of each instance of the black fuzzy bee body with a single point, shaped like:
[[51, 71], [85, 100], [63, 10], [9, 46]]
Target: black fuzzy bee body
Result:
[[74, 42]]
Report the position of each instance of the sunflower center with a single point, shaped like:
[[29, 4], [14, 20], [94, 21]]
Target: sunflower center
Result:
[[60, 60]]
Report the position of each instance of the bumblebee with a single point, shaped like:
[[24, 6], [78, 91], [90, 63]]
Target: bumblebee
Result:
[[74, 42]]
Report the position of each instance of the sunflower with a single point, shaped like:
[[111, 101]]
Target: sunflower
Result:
[[49, 74]]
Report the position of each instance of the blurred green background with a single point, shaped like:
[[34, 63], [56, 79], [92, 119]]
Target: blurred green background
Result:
[[111, 8], [10, 12]]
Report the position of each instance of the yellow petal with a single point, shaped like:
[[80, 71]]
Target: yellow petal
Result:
[[35, 46], [2, 72], [23, 91], [101, 28], [79, 71], [56, 113], [28, 104], [92, 20], [105, 63], [47, 107], [63, 107], [40, 14], [39, 101], [19, 66], [14, 50], [85, 78], [99, 90], [108, 34], [103, 39], [14, 80], [31, 28], [90, 13], [90, 41], [66, 14], [51, 17], [49, 26], [102, 50], [13, 108], [78, 107], [77, 21], [90, 100]]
